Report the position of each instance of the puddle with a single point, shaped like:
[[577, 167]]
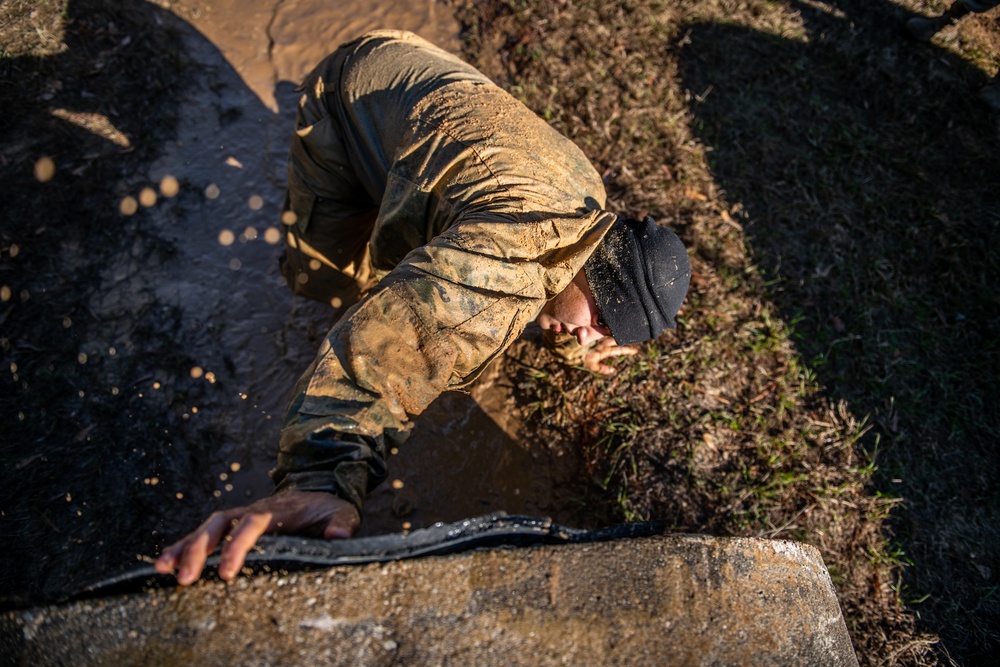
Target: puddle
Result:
[[250, 338], [268, 41]]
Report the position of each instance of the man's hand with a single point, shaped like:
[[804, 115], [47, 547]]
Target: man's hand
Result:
[[297, 512], [605, 348]]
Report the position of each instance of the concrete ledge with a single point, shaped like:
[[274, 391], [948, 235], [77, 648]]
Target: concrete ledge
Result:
[[678, 600]]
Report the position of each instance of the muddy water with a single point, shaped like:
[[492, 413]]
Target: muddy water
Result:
[[251, 340], [269, 41]]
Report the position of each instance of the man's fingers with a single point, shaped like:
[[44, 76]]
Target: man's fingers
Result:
[[343, 524], [167, 562], [615, 351], [605, 351], [193, 558], [297, 512], [334, 531], [196, 547], [241, 540]]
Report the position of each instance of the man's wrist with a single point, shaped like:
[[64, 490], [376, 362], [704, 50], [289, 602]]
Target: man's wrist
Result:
[[318, 482]]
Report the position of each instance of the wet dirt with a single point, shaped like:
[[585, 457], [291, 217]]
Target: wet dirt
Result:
[[270, 41], [250, 337]]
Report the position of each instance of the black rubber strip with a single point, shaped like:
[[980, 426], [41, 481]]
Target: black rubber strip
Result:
[[296, 554]]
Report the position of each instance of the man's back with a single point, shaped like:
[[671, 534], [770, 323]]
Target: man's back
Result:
[[432, 143]]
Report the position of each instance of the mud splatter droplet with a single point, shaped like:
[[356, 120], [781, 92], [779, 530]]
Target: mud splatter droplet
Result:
[[128, 206], [147, 197], [169, 186], [45, 169]]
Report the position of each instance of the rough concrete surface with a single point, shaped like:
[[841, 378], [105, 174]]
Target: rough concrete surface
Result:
[[665, 600]]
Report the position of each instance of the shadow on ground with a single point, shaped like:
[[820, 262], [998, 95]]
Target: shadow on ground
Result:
[[868, 170], [95, 409]]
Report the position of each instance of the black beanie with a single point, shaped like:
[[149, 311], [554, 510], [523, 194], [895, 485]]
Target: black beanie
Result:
[[639, 275]]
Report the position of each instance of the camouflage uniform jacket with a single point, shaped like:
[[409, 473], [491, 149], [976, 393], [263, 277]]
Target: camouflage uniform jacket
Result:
[[485, 213]]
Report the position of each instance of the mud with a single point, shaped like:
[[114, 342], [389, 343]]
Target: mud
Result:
[[271, 41], [215, 195]]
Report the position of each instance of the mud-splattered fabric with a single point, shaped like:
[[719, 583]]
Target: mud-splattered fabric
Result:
[[476, 212]]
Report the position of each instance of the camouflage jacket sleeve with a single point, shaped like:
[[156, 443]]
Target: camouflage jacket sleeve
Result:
[[432, 324]]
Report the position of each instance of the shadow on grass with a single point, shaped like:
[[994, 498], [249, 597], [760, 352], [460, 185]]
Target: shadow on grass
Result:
[[869, 172]]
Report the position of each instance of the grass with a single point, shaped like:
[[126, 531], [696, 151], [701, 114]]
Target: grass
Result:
[[829, 379]]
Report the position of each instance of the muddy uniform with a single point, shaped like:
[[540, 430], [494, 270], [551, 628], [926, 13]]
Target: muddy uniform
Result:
[[411, 169]]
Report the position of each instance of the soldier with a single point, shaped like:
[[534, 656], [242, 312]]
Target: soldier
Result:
[[441, 217]]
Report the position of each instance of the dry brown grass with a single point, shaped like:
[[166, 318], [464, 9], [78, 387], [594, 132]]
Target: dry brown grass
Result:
[[830, 377]]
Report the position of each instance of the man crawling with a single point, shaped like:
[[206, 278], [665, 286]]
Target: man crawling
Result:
[[442, 217]]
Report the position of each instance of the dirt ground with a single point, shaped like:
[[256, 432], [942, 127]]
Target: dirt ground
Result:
[[831, 377]]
